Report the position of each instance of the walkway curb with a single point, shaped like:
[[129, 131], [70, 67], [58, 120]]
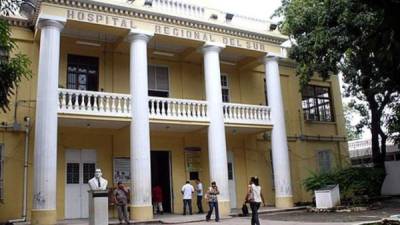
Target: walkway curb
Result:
[[269, 211]]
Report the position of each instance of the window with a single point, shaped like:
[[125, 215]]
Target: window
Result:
[[2, 153], [265, 92], [82, 73], [316, 103], [324, 161], [158, 81], [88, 171], [72, 173], [230, 171], [225, 88]]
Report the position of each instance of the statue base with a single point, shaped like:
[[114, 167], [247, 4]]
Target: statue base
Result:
[[98, 207]]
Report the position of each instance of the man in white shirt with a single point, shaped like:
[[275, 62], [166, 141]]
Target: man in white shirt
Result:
[[199, 192], [187, 191]]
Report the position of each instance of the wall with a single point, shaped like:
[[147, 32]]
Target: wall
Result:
[[251, 151]]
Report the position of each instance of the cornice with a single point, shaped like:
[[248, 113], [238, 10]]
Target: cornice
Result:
[[17, 22], [158, 17]]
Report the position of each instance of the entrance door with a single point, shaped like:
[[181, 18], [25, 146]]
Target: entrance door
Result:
[[161, 175], [231, 180], [80, 167]]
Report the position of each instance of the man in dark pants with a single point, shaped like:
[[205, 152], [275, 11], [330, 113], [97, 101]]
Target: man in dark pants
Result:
[[199, 192], [187, 191], [213, 201], [121, 200]]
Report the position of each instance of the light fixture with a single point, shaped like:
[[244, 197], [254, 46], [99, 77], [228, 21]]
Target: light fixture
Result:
[[94, 44], [272, 26], [227, 63], [163, 53], [229, 16], [148, 3], [27, 8], [214, 16]]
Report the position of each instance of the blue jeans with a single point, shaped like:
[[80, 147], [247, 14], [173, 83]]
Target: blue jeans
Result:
[[187, 202], [211, 206]]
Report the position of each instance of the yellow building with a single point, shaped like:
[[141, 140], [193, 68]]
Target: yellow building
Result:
[[159, 92]]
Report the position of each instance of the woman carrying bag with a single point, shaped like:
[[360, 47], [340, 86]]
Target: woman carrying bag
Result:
[[255, 198]]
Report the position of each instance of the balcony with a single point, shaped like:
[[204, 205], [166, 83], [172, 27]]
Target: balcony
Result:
[[112, 105]]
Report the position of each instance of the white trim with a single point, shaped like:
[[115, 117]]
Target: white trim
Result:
[[171, 19]]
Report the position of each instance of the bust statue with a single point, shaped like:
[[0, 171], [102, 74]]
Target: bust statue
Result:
[[98, 183]]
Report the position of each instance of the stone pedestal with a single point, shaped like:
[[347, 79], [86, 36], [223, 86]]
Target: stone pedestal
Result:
[[98, 207]]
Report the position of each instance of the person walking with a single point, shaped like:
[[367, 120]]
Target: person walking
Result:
[[121, 200], [254, 197], [212, 199], [157, 200], [199, 192], [187, 191]]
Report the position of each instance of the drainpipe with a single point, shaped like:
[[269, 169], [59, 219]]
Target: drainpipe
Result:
[[25, 187]]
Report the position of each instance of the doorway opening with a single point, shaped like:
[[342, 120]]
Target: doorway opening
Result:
[[161, 175]]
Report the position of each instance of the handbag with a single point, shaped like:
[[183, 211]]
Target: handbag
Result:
[[245, 210]]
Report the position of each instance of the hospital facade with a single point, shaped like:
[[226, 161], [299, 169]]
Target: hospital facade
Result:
[[159, 92]]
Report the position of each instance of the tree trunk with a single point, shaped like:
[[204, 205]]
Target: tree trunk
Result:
[[383, 146], [375, 128]]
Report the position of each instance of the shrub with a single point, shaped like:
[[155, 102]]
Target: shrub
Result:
[[353, 182]]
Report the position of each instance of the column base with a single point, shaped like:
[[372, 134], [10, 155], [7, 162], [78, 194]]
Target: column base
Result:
[[141, 212], [43, 217], [284, 202], [224, 208]]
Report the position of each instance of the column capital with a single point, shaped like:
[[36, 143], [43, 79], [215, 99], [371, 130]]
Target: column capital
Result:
[[51, 21], [270, 57], [212, 46], [138, 34]]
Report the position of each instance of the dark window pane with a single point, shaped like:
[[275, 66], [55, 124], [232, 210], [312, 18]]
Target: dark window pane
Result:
[[316, 103], [72, 173], [82, 72], [194, 175], [155, 93], [88, 171], [230, 171]]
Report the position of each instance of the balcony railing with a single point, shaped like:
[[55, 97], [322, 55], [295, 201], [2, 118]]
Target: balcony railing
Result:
[[118, 105], [177, 109], [247, 114], [93, 103]]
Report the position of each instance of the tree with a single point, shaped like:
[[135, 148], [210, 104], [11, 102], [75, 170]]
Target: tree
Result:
[[12, 68], [352, 132], [355, 38]]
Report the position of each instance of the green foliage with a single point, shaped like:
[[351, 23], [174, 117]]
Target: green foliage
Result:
[[353, 182], [394, 124], [357, 38], [12, 69], [352, 132]]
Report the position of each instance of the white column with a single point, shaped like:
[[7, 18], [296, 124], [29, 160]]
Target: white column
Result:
[[280, 154], [45, 154], [140, 132], [216, 131]]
